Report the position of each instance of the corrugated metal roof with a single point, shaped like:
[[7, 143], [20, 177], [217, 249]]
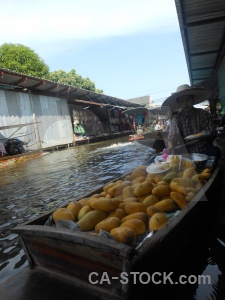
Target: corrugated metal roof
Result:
[[17, 81], [202, 25]]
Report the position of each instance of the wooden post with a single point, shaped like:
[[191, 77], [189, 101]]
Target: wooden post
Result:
[[107, 112], [36, 131]]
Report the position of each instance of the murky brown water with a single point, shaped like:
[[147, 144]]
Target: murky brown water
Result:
[[32, 188]]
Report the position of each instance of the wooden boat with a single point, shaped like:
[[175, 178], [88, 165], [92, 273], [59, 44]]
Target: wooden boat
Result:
[[68, 258], [7, 160], [135, 137]]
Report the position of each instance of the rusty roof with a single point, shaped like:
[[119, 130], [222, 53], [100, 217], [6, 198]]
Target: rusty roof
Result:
[[10, 80]]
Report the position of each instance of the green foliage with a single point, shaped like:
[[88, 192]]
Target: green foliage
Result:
[[22, 59], [73, 79]]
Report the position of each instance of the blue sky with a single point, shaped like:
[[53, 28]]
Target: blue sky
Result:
[[129, 48]]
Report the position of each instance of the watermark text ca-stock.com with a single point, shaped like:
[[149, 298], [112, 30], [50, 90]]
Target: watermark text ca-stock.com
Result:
[[146, 278]]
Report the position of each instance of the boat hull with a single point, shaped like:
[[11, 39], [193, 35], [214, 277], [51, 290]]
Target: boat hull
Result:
[[136, 138], [75, 255], [8, 159]]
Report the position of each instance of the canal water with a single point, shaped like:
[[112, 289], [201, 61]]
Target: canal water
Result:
[[32, 188]]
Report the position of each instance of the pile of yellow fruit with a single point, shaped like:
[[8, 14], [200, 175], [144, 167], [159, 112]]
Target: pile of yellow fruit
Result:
[[136, 204]]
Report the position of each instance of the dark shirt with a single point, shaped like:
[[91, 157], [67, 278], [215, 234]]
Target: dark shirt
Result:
[[182, 125]]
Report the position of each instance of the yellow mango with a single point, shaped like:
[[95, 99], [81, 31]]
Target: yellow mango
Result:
[[118, 212], [161, 190], [124, 235], [206, 170], [151, 210], [139, 171], [133, 207], [131, 199], [105, 204], [142, 198], [169, 176], [191, 189], [119, 181], [63, 214], [108, 196], [176, 187], [136, 224], [96, 196], [166, 205], [149, 179], [108, 186], [150, 200], [189, 172], [83, 201], [162, 182], [150, 176], [119, 197], [128, 178], [157, 178], [157, 221], [103, 194], [198, 178], [117, 189], [128, 192], [174, 167], [186, 182], [138, 215], [207, 175], [107, 224], [74, 207], [188, 164], [180, 174], [143, 188], [123, 204], [179, 199], [138, 179], [91, 219], [92, 200], [83, 211]]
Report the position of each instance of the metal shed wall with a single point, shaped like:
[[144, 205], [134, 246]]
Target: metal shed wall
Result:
[[54, 127], [16, 109]]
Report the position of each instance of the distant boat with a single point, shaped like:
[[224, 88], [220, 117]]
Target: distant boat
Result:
[[11, 159], [136, 137], [13, 150]]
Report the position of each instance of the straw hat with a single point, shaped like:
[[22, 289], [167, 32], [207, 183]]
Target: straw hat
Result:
[[199, 95]]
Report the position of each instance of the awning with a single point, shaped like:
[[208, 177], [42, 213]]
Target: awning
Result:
[[10, 80]]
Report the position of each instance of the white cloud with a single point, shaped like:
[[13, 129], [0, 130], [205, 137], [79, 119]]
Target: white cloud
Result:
[[49, 20]]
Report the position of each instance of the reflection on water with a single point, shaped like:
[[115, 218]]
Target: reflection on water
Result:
[[35, 187], [32, 188]]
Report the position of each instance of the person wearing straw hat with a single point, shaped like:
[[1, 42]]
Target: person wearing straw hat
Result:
[[191, 120]]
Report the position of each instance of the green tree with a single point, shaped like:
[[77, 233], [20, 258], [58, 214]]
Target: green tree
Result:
[[73, 79], [22, 59]]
